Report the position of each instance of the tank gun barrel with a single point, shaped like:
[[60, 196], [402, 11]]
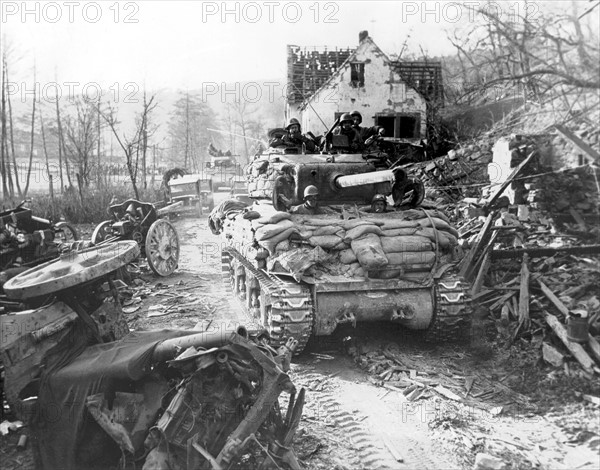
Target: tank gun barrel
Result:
[[392, 176]]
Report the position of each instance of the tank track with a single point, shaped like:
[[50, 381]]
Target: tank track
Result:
[[291, 312], [453, 311]]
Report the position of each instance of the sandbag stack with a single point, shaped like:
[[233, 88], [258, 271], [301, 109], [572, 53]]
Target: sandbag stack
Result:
[[381, 246]]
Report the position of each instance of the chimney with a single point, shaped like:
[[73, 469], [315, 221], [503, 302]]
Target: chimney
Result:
[[362, 36]]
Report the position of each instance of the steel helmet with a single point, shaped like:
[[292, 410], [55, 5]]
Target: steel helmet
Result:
[[379, 197], [357, 114], [311, 191], [345, 117], [291, 122]]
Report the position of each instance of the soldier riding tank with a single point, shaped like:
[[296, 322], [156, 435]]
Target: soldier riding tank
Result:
[[302, 275]]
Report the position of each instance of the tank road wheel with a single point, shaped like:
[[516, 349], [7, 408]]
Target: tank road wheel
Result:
[[71, 269], [284, 309], [101, 232], [65, 233], [453, 312], [162, 247]]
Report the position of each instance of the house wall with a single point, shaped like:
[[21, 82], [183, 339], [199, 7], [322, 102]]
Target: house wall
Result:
[[383, 92]]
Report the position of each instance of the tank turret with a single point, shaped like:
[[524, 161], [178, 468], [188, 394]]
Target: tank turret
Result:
[[341, 179]]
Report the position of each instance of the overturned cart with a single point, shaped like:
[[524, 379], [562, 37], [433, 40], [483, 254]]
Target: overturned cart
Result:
[[97, 396]]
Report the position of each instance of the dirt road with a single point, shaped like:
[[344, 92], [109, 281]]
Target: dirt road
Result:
[[350, 420]]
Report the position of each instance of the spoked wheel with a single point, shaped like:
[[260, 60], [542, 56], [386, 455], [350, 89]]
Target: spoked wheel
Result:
[[101, 232], [71, 269], [162, 247], [65, 233]]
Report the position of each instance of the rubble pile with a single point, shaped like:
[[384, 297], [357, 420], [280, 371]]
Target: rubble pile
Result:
[[532, 242], [459, 173]]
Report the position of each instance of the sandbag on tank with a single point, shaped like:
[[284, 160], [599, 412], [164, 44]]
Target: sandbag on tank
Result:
[[274, 217], [272, 242], [425, 258], [406, 243], [438, 224], [369, 252], [347, 256], [445, 239], [329, 230], [265, 232], [325, 241], [361, 230], [400, 223]]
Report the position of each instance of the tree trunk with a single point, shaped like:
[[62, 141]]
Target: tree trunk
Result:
[[32, 141], [46, 153], [3, 156], [12, 146], [61, 150]]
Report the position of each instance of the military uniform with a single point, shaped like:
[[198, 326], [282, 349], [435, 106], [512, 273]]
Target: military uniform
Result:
[[304, 209]]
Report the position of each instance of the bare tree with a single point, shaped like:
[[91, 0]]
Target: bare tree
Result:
[[187, 131], [7, 127], [135, 145], [80, 138], [544, 54], [32, 139], [245, 121]]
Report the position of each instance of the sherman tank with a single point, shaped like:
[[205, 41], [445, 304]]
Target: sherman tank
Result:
[[302, 275]]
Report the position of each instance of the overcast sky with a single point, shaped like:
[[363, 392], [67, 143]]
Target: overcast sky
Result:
[[185, 44]]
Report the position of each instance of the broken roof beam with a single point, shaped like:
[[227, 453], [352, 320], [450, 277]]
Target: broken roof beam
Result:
[[589, 153], [537, 252]]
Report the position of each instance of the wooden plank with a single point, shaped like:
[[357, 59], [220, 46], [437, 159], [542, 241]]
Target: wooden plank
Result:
[[537, 252], [594, 347], [510, 179], [483, 269], [575, 348], [524, 321], [552, 298], [589, 153], [393, 449], [466, 266], [577, 216]]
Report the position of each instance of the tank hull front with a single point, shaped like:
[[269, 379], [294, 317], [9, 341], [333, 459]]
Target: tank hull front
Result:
[[406, 303]]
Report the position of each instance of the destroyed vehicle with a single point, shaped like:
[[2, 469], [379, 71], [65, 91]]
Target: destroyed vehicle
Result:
[[27, 240], [194, 191], [142, 223], [302, 275], [98, 396]]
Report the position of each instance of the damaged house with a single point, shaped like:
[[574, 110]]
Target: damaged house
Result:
[[400, 96]]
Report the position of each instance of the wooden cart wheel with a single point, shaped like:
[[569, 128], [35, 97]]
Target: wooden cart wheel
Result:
[[71, 269], [162, 247], [65, 232], [101, 232]]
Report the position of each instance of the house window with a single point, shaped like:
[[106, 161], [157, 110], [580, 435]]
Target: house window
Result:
[[409, 127], [403, 126], [357, 75]]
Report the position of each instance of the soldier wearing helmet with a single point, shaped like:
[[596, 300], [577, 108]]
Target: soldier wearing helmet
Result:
[[365, 132], [378, 203], [311, 203], [294, 138], [345, 128]]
